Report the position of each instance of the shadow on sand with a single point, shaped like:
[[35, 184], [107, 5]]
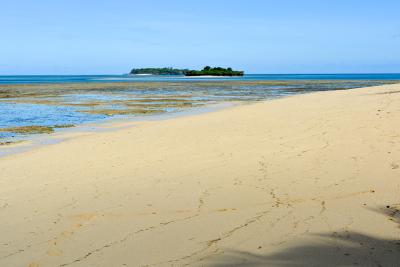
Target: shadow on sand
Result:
[[334, 249]]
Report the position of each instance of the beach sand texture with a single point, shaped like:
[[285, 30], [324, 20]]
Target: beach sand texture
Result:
[[308, 180]]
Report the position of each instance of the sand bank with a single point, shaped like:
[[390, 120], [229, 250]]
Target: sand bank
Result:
[[309, 180]]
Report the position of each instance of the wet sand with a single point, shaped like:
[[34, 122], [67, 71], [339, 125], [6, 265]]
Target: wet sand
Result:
[[307, 180]]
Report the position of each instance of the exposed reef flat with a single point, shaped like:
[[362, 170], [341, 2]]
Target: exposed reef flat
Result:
[[10, 143], [34, 129], [12, 90], [110, 112]]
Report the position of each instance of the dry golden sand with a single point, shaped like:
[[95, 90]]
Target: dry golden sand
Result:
[[309, 180]]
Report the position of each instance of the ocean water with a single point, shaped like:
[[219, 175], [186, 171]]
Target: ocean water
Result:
[[32, 79], [46, 102], [17, 114]]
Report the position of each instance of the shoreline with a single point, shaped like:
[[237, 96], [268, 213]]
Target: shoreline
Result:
[[35, 141], [304, 179]]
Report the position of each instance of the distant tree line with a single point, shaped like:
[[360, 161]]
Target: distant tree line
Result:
[[217, 71], [159, 71]]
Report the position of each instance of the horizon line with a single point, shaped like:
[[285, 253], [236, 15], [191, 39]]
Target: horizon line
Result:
[[306, 73]]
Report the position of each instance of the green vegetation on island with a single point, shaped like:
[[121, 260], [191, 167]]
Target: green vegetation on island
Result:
[[218, 71], [206, 71], [158, 71]]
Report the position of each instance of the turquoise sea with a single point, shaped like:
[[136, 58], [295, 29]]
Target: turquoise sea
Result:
[[22, 79]]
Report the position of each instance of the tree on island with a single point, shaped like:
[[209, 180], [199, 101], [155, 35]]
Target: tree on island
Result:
[[217, 71], [159, 71]]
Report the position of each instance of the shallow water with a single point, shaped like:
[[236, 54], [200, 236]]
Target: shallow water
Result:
[[13, 115]]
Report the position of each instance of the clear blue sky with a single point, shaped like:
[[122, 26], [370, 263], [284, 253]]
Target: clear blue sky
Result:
[[258, 36]]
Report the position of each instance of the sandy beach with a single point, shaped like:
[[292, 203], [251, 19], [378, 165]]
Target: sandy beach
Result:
[[307, 180]]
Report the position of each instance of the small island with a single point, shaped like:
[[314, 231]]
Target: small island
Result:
[[206, 71]]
